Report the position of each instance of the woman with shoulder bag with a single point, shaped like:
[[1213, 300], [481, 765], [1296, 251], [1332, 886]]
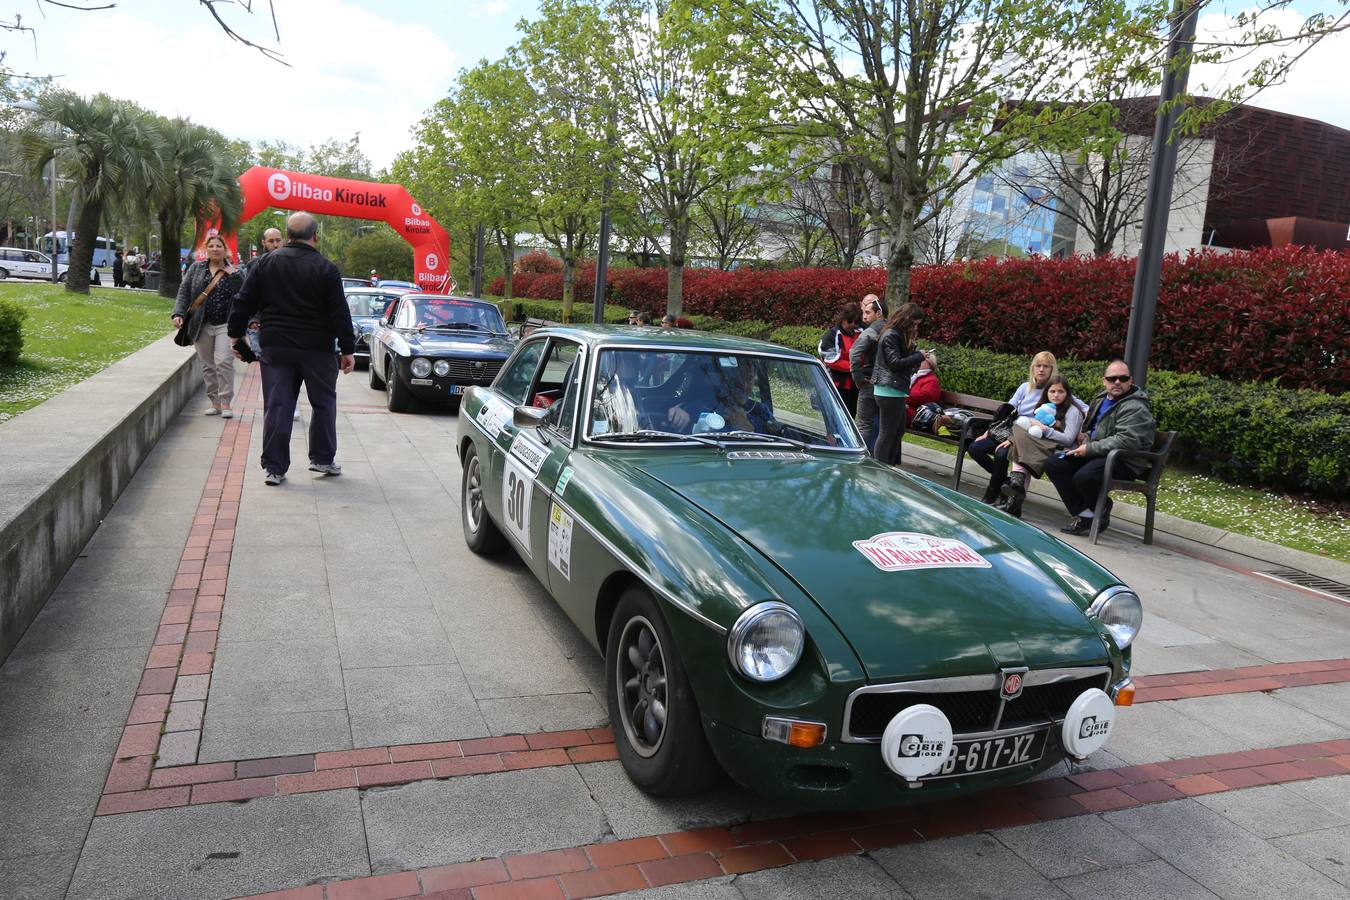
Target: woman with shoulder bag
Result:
[[898, 357], [1052, 428], [992, 455], [201, 312]]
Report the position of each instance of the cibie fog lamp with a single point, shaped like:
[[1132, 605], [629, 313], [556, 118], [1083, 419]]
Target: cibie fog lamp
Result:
[[767, 641]]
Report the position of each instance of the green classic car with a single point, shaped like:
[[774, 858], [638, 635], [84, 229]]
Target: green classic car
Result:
[[769, 600]]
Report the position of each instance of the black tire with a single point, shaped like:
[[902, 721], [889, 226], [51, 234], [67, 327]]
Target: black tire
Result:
[[652, 709], [375, 381], [4, 273], [480, 533], [395, 394], [62, 277]]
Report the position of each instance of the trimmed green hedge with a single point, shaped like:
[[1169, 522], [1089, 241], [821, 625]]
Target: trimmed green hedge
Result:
[[11, 332], [1247, 433]]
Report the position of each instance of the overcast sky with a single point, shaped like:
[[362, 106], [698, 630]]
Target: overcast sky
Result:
[[375, 66]]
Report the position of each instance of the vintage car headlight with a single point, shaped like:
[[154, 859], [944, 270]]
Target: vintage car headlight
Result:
[[421, 368], [442, 368], [1120, 611], [767, 641]]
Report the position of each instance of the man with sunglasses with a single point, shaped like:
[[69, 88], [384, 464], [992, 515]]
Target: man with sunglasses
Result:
[[1118, 419]]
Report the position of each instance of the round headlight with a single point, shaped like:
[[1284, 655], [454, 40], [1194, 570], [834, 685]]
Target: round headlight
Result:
[[767, 641], [442, 368], [421, 368], [1120, 611]]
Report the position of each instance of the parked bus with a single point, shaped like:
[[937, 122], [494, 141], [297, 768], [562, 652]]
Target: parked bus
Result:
[[104, 248]]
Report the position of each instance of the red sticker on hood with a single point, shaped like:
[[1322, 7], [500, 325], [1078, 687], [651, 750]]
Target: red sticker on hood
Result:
[[897, 551]]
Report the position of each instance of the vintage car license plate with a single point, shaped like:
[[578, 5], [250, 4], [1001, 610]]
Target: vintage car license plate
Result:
[[456, 389], [992, 754]]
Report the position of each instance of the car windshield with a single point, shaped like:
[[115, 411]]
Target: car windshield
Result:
[[451, 314], [642, 395], [368, 305]]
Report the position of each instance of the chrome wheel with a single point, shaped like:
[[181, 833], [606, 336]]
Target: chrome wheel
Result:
[[640, 684]]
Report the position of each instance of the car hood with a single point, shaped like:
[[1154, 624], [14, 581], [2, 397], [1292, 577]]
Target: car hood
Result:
[[462, 342], [1016, 597]]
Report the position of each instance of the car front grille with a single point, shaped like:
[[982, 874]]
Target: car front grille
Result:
[[974, 711], [474, 371]]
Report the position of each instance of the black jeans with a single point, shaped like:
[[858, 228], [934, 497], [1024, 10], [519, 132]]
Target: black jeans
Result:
[[892, 430], [993, 461], [866, 417], [284, 369], [1078, 480]]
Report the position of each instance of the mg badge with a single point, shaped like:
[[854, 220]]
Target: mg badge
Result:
[[1012, 683]]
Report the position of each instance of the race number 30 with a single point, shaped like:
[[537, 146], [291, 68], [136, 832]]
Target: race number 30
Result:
[[517, 493]]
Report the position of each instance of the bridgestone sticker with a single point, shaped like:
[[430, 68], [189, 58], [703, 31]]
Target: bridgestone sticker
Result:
[[560, 541], [899, 551], [529, 452]]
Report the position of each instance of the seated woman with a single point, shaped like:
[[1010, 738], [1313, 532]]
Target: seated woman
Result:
[[991, 455], [1053, 427], [923, 387]]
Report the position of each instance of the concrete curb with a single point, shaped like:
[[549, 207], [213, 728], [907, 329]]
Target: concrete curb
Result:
[[64, 463], [939, 465]]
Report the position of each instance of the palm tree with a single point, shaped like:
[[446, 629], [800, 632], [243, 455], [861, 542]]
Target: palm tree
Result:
[[195, 182], [114, 145]]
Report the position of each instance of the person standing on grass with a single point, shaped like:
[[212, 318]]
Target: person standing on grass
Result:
[[204, 298], [296, 294], [117, 269], [898, 357], [861, 359]]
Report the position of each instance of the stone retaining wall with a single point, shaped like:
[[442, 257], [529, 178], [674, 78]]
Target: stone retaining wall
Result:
[[64, 463]]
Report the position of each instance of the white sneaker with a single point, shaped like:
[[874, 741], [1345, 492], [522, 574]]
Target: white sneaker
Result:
[[296, 415], [272, 479], [325, 468], [227, 414], [211, 412]]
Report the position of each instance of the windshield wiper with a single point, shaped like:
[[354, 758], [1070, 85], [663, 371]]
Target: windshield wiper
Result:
[[650, 435], [761, 438], [455, 326]]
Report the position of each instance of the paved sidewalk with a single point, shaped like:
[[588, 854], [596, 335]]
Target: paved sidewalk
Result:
[[261, 688]]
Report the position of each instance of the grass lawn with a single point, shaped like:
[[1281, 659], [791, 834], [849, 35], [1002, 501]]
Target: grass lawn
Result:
[[67, 337], [1295, 522]]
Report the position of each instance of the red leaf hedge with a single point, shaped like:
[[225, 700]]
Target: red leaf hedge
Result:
[[1267, 315]]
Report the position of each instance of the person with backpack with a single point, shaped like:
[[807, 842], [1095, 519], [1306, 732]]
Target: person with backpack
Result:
[[132, 272]]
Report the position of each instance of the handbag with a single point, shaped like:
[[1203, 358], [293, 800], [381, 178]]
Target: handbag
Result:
[[1001, 428], [180, 337]]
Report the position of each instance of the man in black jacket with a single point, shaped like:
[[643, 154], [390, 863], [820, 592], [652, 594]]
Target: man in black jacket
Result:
[[296, 294]]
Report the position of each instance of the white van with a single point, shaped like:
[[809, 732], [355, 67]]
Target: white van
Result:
[[16, 262]]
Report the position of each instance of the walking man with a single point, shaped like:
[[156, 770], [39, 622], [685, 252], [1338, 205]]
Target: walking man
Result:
[[1118, 419], [296, 295], [271, 240]]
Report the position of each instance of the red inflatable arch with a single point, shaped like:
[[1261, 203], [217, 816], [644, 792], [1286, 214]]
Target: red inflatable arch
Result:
[[263, 188]]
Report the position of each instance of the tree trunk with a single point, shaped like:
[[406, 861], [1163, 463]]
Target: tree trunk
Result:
[[170, 229], [81, 257], [508, 265], [899, 261], [569, 276], [679, 245]]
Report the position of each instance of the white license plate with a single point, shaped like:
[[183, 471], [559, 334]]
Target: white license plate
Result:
[[456, 389], [992, 754]]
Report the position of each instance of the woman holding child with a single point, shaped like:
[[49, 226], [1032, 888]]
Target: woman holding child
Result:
[[1052, 427]]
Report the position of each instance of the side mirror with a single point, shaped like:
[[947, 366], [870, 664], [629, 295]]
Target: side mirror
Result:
[[528, 417]]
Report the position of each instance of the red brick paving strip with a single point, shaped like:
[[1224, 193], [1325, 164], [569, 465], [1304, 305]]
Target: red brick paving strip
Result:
[[686, 856]]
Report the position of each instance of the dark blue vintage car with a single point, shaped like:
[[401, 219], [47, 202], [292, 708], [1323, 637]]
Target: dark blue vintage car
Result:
[[432, 348]]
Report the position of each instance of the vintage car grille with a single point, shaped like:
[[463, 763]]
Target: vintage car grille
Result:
[[972, 711], [475, 371]]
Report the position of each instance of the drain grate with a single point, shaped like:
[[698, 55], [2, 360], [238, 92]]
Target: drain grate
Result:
[[1312, 582]]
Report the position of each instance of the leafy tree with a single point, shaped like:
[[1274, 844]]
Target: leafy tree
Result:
[[195, 184], [918, 91], [724, 227], [380, 249], [563, 52], [115, 145]]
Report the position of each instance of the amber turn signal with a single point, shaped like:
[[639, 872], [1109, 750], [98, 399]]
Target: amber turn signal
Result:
[[792, 732], [1123, 693]]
